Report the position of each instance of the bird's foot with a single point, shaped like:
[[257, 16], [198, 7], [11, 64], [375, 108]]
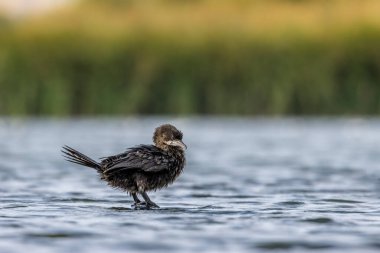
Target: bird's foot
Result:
[[151, 204], [139, 205], [144, 205]]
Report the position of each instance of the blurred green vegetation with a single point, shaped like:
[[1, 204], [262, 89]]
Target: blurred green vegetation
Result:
[[193, 57]]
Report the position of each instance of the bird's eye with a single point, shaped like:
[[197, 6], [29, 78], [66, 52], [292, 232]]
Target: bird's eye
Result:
[[178, 136]]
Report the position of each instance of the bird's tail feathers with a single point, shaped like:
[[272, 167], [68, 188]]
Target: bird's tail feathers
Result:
[[77, 157]]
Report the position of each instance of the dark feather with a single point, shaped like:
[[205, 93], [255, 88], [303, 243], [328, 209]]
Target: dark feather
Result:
[[146, 158], [77, 157], [141, 168]]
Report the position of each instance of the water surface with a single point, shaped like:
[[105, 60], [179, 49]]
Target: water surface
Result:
[[264, 185]]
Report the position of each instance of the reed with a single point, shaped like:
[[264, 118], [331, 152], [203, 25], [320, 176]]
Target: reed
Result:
[[194, 57]]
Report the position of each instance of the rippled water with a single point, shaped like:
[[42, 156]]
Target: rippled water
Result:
[[250, 185]]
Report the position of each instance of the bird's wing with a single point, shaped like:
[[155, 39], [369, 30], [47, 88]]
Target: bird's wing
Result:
[[144, 157]]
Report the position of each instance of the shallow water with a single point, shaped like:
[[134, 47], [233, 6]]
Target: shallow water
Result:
[[293, 185]]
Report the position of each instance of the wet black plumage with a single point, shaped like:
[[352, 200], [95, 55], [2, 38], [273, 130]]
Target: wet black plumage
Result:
[[142, 168]]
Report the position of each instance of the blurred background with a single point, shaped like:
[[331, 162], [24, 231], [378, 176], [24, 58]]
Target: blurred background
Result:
[[253, 182], [182, 57]]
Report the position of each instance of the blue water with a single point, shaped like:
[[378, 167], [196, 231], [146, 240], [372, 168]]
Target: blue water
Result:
[[250, 185]]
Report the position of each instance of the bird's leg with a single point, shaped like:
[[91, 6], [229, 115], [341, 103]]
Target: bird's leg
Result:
[[149, 203], [136, 199]]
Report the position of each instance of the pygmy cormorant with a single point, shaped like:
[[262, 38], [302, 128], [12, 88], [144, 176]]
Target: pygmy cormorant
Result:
[[141, 168]]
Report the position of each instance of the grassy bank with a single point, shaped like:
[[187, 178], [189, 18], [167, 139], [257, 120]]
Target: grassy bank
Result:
[[201, 57]]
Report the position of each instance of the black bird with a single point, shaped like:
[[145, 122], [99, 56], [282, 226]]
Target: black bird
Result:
[[141, 168]]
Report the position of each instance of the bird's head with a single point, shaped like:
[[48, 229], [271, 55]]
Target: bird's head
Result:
[[167, 136]]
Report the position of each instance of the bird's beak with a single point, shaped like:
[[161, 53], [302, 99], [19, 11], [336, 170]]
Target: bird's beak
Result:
[[177, 143]]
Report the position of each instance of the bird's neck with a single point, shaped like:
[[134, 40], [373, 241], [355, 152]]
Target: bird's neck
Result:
[[170, 149], [175, 150], [162, 146]]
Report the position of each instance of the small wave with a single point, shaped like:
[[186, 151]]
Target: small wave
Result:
[[291, 203], [286, 245], [342, 201], [52, 235], [319, 220]]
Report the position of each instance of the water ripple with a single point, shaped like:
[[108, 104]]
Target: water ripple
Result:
[[278, 185]]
